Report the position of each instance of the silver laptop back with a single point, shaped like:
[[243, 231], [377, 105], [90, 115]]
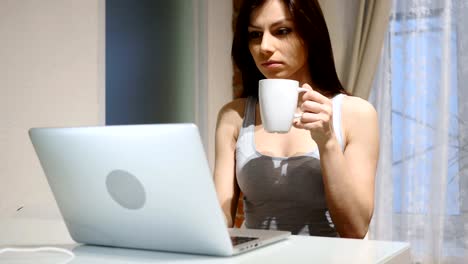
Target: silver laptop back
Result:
[[138, 186]]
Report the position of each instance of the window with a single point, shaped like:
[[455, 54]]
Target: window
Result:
[[417, 46]]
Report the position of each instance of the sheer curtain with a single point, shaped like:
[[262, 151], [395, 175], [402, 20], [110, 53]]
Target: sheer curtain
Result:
[[420, 92]]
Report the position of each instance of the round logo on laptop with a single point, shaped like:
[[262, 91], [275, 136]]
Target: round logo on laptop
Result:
[[126, 189]]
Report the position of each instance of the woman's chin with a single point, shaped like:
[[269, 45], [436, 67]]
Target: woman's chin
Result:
[[276, 76]]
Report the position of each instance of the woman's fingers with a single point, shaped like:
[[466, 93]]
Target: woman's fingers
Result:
[[316, 108], [317, 111], [311, 122], [311, 107], [307, 86], [313, 95]]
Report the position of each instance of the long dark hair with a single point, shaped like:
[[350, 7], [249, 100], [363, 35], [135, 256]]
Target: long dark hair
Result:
[[311, 27]]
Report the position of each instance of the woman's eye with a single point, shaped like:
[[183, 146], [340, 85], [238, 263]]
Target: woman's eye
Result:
[[255, 34], [283, 31]]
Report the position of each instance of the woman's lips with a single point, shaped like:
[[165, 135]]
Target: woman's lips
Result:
[[272, 64]]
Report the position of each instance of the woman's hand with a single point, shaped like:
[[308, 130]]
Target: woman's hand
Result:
[[317, 116]]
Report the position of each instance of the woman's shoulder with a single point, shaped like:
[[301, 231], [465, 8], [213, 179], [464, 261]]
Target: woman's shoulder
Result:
[[235, 105], [232, 113], [354, 106], [358, 116]]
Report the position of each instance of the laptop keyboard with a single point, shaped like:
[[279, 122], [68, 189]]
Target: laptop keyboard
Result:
[[236, 240]]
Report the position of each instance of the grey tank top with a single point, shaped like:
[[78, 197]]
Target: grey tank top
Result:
[[283, 193]]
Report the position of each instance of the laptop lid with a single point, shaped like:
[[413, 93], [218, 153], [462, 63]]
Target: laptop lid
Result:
[[136, 186]]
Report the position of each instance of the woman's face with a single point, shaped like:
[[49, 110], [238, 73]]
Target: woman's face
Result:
[[276, 48]]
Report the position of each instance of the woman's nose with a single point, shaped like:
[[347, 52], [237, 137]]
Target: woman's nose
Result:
[[267, 43]]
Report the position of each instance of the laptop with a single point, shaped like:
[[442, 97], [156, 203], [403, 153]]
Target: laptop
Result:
[[140, 186]]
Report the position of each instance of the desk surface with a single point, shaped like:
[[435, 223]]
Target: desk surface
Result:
[[296, 249]]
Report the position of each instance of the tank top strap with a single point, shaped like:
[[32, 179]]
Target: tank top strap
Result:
[[245, 146], [337, 106], [249, 113]]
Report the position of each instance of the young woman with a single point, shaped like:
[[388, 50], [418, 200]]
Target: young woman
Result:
[[317, 179]]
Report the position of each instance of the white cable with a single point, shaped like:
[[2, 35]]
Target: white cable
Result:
[[39, 249]]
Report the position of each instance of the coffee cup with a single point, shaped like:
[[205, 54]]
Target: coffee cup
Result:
[[278, 103]]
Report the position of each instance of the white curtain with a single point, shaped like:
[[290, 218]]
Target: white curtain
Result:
[[357, 30], [421, 94]]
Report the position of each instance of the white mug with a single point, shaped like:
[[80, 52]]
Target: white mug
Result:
[[278, 102]]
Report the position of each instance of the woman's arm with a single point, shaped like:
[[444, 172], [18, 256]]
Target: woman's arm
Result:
[[348, 177], [227, 131]]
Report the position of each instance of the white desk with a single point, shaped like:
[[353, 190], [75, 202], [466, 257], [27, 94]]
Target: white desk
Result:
[[23, 231], [296, 249]]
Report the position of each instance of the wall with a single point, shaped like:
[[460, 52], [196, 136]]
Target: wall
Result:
[[149, 62], [219, 67], [51, 74]]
